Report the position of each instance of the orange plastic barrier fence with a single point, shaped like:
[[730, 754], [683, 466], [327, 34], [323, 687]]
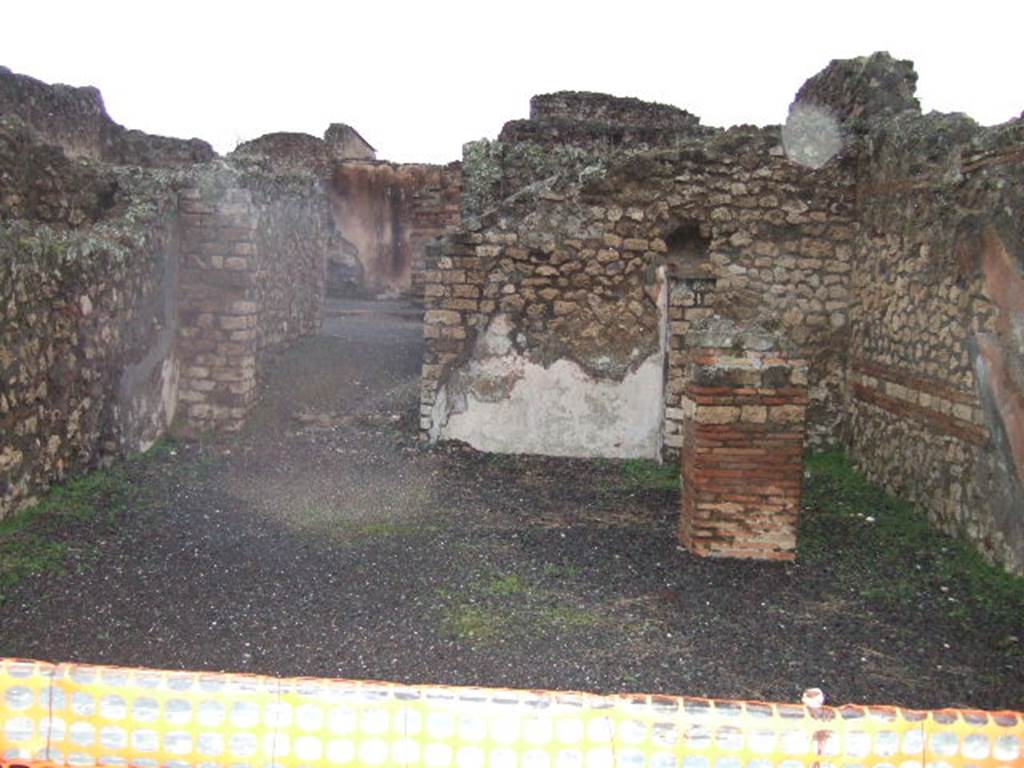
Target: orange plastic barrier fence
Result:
[[79, 715]]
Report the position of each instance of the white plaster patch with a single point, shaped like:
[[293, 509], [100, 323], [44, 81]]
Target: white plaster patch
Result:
[[438, 413], [508, 404], [161, 412], [169, 375], [496, 340]]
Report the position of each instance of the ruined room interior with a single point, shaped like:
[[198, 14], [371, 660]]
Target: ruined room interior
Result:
[[607, 279]]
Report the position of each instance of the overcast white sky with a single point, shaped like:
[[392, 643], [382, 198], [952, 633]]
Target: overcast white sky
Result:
[[418, 79]]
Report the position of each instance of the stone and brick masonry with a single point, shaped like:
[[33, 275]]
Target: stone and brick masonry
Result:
[[86, 343], [252, 279], [935, 364], [743, 439], [142, 283], [144, 278], [385, 212], [884, 245], [388, 213], [145, 282], [571, 267]]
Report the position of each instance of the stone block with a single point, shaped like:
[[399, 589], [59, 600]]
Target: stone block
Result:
[[716, 414], [465, 305], [755, 414], [787, 414]]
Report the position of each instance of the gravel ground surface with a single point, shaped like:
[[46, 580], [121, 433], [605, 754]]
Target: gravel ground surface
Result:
[[325, 540]]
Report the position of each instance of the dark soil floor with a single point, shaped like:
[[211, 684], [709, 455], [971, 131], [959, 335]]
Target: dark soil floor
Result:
[[325, 540]]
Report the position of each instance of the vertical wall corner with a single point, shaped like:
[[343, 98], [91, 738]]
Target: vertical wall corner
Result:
[[217, 332]]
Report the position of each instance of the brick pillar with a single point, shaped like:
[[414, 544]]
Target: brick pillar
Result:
[[743, 436], [217, 310]]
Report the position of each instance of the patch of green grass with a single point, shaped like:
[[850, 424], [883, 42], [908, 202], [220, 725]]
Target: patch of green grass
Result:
[[505, 585], [568, 618], [100, 492], [649, 474], [476, 624], [889, 549], [31, 541], [495, 606], [24, 554]]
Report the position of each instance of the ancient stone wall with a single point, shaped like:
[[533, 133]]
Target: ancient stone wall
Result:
[[40, 183], [76, 120], [558, 291], [495, 170], [113, 329], [285, 152], [87, 363], [568, 133], [295, 235], [884, 245], [599, 122], [605, 109], [252, 279], [936, 358], [936, 408], [435, 207], [132, 297], [346, 143], [388, 212], [218, 314]]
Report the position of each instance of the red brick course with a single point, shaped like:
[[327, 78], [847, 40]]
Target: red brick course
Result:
[[935, 420]]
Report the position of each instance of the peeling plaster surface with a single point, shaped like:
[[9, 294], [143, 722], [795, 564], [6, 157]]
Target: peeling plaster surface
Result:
[[995, 473], [999, 367], [508, 404], [1002, 352]]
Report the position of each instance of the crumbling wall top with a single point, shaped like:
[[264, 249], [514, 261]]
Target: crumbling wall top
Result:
[[863, 88], [40, 183], [289, 152], [76, 120], [286, 152], [598, 121], [602, 107], [346, 143]]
